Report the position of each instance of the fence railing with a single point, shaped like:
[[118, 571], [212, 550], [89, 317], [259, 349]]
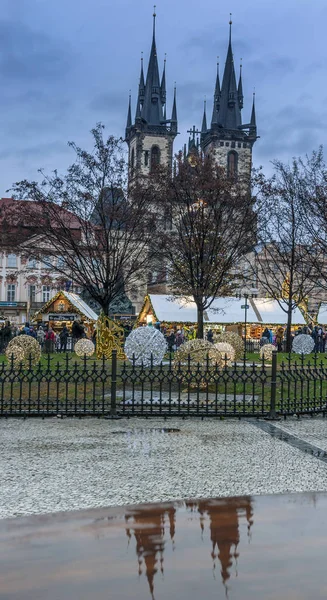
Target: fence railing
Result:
[[82, 387]]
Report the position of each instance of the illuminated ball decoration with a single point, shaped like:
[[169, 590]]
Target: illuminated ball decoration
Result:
[[145, 344], [232, 338], [226, 350], [303, 344], [84, 347], [266, 351], [24, 349], [193, 359]]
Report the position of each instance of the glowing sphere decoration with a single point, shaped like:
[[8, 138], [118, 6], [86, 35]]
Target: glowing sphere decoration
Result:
[[227, 351], [24, 349], [266, 351], [232, 338], [84, 347], [194, 359], [145, 346], [303, 344]]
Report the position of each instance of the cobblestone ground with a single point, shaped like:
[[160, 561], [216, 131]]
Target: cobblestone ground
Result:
[[56, 465]]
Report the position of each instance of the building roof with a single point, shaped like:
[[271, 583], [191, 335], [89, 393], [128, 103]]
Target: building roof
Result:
[[322, 314], [272, 314], [226, 310], [75, 300], [222, 310]]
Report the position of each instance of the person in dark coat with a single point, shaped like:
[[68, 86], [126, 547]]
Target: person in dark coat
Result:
[[63, 339], [77, 331]]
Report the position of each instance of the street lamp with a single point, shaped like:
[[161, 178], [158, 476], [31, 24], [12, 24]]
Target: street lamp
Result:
[[245, 307]]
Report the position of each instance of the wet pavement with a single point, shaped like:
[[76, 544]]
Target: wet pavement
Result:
[[243, 548], [58, 465]]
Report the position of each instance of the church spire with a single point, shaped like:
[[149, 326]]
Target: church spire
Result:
[[229, 113], [163, 84], [216, 100], [129, 114], [240, 89], [174, 113], [140, 97], [253, 122], [152, 111], [204, 119]]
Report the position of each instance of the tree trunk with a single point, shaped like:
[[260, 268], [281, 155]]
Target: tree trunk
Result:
[[288, 328], [200, 322]]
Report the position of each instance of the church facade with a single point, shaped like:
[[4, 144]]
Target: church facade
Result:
[[150, 134]]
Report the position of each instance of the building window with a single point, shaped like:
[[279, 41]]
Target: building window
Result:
[[155, 157], [46, 264], [239, 145], [31, 262], [227, 144], [11, 292], [60, 262], [12, 260], [233, 144], [244, 145], [31, 293], [146, 158], [232, 160], [46, 293], [221, 143]]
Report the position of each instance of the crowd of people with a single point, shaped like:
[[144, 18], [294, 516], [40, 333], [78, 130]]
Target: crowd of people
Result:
[[49, 340], [317, 332]]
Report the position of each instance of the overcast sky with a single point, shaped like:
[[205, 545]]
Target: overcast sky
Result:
[[69, 64]]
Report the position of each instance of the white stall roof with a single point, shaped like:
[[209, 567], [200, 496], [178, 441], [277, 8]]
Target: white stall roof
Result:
[[272, 314], [84, 308], [322, 314], [222, 310]]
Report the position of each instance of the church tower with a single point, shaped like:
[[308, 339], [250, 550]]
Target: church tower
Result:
[[227, 140], [150, 138]]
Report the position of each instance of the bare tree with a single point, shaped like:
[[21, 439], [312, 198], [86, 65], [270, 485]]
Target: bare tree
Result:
[[87, 218], [208, 225], [283, 258]]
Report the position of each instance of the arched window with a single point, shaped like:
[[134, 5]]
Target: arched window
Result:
[[232, 160], [155, 157], [132, 160]]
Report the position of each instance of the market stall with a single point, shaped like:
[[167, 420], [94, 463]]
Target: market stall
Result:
[[179, 313], [226, 313], [63, 309]]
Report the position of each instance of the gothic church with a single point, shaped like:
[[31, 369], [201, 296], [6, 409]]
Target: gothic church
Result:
[[151, 134]]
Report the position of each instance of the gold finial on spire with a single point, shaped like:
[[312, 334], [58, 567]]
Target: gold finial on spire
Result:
[[142, 58], [154, 10], [230, 19], [165, 58], [241, 64]]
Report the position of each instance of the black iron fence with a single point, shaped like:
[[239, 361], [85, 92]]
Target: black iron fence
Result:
[[89, 387]]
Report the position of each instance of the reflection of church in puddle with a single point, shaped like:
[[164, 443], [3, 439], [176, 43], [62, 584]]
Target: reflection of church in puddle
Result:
[[150, 528]]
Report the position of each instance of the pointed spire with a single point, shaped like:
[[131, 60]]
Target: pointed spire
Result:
[[253, 122], [216, 100], [129, 113], [229, 111], [204, 120], [163, 84], [174, 113], [152, 111], [240, 89], [141, 84]]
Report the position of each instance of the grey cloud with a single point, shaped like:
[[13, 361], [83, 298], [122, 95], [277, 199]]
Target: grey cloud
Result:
[[26, 54]]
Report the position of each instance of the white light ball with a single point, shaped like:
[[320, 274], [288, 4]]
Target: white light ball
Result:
[[303, 344], [145, 344]]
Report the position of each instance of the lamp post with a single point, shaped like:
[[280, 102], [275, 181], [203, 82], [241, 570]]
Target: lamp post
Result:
[[246, 307]]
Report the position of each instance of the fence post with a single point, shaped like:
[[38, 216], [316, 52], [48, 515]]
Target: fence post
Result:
[[272, 416], [113, 383]]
